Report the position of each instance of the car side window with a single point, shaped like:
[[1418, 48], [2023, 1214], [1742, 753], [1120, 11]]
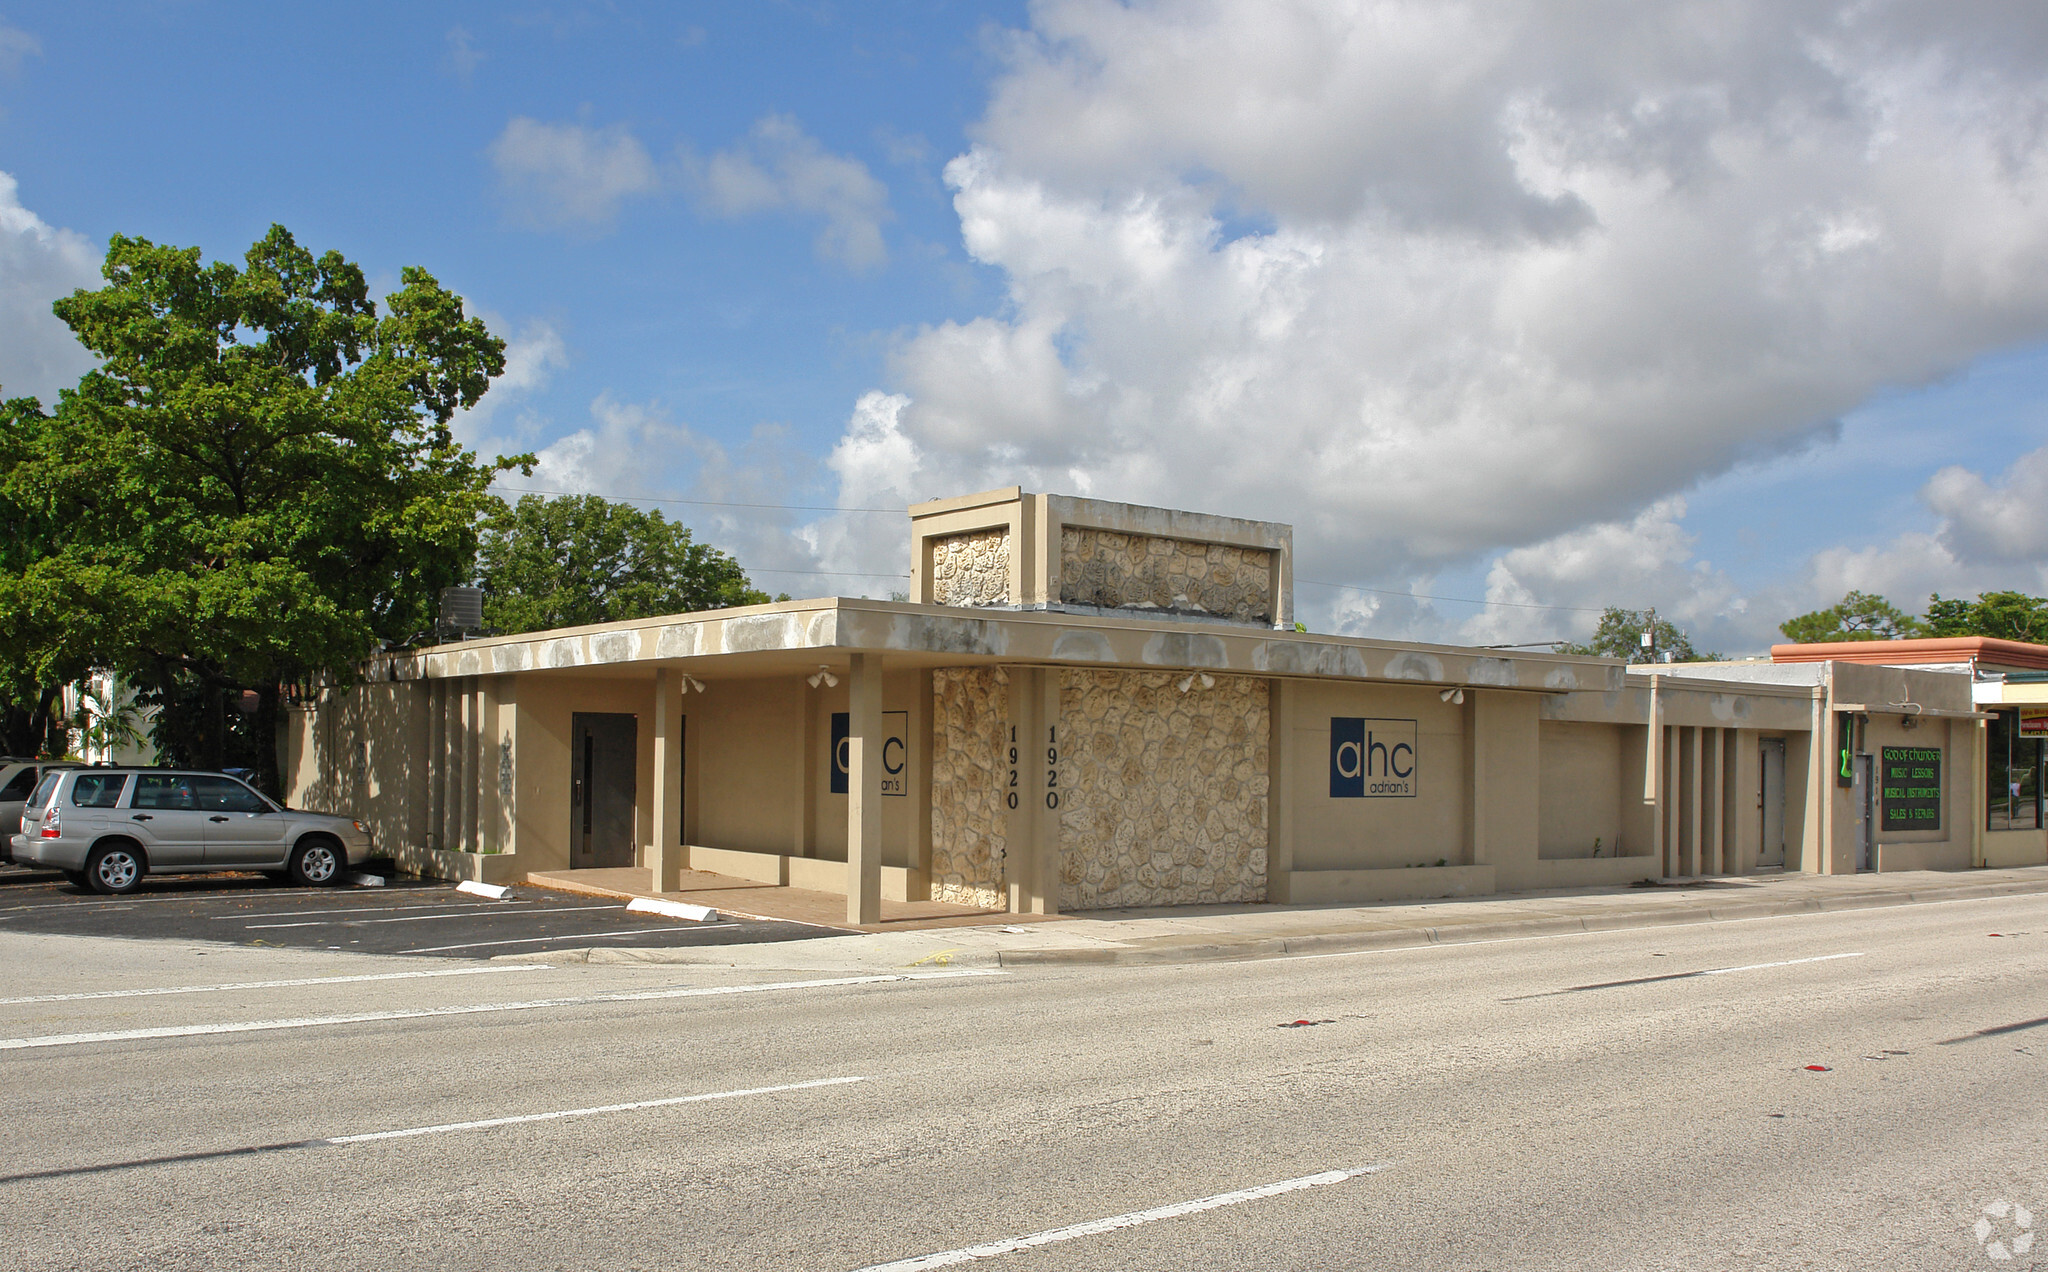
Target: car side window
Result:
[[19, 786], [226, 795], [45, 790], [97, 790], [162, 790]]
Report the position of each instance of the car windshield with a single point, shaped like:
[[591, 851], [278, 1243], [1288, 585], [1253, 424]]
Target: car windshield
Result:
[[97, 790], [44, 790]]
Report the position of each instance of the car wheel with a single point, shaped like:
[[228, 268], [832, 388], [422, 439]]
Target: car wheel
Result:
[[317, 863], [115, 869]]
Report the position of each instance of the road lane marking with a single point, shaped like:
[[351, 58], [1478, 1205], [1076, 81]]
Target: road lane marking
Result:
[[535, 940], [1096, 1227], [270, 984], [1678, 976], [336, 1141], [418, 918], [474, 1009], [368, 909], [446, 1127]]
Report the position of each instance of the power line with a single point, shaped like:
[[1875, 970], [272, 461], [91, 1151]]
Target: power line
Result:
[[1455, 600], [702, 503]]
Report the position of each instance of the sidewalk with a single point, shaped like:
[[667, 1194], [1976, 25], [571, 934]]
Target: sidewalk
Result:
[[1189, 934]]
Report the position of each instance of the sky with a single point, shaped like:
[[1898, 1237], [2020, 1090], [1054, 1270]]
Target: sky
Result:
[[1513, 310]]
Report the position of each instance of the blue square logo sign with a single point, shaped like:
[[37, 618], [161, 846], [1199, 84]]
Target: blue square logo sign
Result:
[[1371, 758], [895, 778]]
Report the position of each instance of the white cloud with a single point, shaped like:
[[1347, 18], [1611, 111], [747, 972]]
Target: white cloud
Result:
[[1442, 282], [555, 175], [532, 354], [38, 265], [779, 166], [16, 47], [463, 54]]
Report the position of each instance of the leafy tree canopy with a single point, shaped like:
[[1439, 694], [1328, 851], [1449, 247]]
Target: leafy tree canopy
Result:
[[579, 559], [1620, 635], [257, 483], [1857, 616], [2003, 615]]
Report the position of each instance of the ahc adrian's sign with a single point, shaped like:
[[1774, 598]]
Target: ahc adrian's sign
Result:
[[1371, 758], [895, 752]]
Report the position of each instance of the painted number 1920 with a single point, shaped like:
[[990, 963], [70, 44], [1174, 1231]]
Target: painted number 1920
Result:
[[1052, 770]]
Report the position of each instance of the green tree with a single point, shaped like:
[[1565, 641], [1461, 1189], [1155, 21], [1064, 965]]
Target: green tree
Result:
[[579, 559], [1620, 635], [1857, 616], [2004, 615], [257, 485]]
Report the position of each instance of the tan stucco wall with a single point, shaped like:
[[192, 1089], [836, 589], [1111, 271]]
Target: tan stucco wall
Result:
[[1109, 570], [1162, 793], [969, 760], [1579, 790], [1380, 833]]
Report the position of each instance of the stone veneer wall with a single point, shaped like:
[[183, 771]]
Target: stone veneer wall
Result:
[[971, 569], [969, 716], [1163, 793], [1111, 570]]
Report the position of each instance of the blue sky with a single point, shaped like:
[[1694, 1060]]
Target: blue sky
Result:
[[1534, 310]]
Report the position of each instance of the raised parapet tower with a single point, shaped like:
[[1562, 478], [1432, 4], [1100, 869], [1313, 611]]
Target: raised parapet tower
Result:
[[1006, 549]]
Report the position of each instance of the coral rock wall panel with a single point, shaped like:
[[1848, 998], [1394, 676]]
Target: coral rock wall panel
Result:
[[971, 569], [969, 716], [1110, 570], [1163, 793]]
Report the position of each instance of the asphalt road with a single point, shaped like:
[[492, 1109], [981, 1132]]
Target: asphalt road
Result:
[[418, 918], [1621, 1099]]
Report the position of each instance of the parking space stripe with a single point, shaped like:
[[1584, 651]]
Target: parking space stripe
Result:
[[536, 940], [270, 984], [417, 918], [336, 1141], [1096, 1227], [475, 1009], [374, 909]]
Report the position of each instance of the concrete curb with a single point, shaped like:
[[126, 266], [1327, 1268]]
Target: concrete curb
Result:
[[1224, 949]]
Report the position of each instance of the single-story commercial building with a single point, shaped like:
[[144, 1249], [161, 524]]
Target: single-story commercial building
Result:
[[1087, 705]]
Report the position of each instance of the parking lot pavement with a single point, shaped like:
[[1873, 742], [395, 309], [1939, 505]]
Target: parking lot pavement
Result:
[[406, 917]]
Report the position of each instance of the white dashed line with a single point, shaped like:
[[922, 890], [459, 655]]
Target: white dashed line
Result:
[[271, 984], [1096, 1227], [470, 1009], [636, 1105]]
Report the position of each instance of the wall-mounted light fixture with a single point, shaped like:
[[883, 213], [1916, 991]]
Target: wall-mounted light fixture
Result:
[[822, 676], [1452, 695], [1187, 682], [691, 682]]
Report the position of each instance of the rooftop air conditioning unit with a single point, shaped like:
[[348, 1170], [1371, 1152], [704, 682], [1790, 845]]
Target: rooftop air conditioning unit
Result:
[[462, 613]]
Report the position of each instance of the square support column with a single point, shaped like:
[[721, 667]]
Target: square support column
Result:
[[665, 854], [1696, 856], [1031, 854], [1716, 861], [1674, 845], [864, 790]]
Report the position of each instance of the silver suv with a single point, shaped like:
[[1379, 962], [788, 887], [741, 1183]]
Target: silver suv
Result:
[[106, 828]]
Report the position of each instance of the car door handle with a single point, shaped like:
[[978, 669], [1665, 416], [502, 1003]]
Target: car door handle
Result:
[[140, 817], [216, 819]]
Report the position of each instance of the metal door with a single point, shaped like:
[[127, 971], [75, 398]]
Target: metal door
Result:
[[603, 756], [1863, 794], [1771, 800]]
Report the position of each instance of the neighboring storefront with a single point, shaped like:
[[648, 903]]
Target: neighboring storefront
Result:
[[1083, 705]]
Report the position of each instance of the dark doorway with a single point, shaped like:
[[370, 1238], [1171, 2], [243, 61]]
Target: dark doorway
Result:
[[603, 756]]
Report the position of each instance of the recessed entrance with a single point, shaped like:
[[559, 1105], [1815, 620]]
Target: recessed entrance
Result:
[[603, 757]]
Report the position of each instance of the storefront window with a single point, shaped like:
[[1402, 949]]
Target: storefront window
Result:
[[2013, 769]]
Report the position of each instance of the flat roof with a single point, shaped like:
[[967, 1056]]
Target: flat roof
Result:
[[1984, 651]]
